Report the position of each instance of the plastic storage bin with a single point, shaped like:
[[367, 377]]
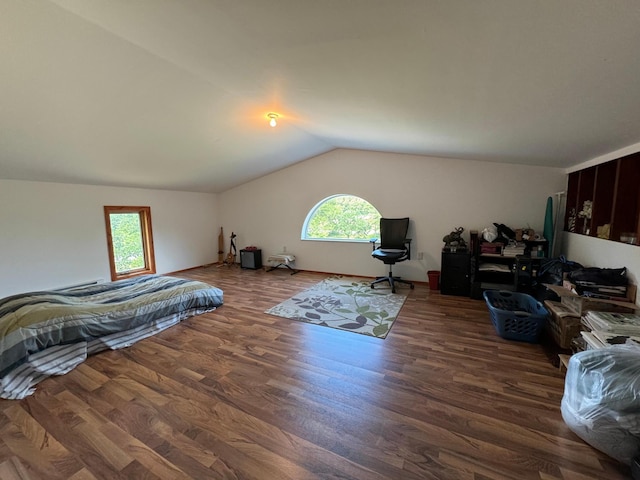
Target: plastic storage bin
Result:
[[516, 316]]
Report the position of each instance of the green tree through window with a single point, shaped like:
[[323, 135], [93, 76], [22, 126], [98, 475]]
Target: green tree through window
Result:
[[130, 241], [342, 217], [127, 241]]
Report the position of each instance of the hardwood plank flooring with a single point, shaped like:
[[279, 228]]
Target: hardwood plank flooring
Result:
[[239, 394]]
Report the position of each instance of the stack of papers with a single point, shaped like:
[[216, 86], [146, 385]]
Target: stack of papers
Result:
[[597, 339], [513, 249], [613, 292], [620, 323], [494, 267], [611, 329]]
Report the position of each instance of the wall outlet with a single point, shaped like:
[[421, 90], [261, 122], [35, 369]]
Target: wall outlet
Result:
[[420, 255]]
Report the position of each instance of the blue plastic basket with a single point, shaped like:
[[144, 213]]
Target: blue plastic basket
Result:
[[516, 316]]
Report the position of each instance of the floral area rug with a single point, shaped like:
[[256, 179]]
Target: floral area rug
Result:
[[344, 303]]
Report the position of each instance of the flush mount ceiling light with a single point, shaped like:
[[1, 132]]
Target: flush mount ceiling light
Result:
[[273, 119]]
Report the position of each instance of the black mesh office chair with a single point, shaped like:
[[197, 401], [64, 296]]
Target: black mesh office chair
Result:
[[394, 247]]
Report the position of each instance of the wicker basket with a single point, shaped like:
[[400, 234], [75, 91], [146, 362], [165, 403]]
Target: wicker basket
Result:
[[516, 316], [563, 325]]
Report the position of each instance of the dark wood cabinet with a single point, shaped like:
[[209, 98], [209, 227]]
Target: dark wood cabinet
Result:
[[526, 272], [613, 188], [455, 278]]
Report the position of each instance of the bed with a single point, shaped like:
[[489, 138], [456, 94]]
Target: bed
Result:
[[51, 332]]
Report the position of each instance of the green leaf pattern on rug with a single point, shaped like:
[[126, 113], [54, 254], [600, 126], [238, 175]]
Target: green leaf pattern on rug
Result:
[[351, 305]]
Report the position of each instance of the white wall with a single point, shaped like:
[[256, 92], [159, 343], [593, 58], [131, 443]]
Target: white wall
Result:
[[438, 194], [53, 235]]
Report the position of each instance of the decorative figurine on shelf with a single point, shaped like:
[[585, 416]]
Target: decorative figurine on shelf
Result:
[[571, 221], [454, 240], [604, 231], [585, 213]]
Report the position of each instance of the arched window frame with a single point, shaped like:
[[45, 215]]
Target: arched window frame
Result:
[[304, 235]]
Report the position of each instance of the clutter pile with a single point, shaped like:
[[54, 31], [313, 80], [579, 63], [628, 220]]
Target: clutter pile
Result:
[[602, 384], [608, 328], [499, 239], [599, 300], [609, 283]]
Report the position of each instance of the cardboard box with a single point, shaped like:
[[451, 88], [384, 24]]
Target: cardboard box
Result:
[[525, 234], [563, 325], [583, 304]]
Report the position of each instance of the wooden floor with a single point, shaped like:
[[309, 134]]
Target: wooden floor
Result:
[[238, 394]]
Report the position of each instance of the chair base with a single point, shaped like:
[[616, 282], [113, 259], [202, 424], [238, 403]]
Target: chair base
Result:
[[392, 281]]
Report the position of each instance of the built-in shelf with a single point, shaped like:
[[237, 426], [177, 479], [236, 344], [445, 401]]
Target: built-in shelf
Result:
[[613, 188]]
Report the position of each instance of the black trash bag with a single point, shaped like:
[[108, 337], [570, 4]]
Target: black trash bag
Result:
[[504, 233], [552, 271], [599, 276]]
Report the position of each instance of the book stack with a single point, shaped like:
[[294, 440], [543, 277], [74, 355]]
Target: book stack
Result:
[[491, 247], [513, 249], [609, 328]]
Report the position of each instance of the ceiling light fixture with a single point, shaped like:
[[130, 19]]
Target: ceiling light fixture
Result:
[[273, 119]]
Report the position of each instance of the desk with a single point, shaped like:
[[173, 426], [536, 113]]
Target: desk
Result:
[[282, 259]]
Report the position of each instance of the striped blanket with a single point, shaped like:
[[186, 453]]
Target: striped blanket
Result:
[[51, 332]]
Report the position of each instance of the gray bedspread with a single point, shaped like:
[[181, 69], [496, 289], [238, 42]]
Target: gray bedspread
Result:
[[36, 321]]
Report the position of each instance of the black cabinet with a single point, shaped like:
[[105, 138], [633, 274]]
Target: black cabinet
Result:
[[251, 259], [455, 278], [527, 268]]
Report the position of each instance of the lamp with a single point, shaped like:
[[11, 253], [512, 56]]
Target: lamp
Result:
[[273, 119]]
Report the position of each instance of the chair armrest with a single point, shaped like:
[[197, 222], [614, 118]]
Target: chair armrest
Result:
[[407, 242], [373, 242]]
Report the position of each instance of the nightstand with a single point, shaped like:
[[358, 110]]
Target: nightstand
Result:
[[455, 278]]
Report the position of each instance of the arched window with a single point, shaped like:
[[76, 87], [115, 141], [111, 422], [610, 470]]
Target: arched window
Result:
[[342, 217]]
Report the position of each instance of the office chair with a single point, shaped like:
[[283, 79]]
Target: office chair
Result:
[[394, 247]]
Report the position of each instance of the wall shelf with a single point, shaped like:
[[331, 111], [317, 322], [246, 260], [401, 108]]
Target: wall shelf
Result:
[[613, 189]]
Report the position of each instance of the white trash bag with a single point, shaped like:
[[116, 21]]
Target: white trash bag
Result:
[[490, 234], [601, 402]]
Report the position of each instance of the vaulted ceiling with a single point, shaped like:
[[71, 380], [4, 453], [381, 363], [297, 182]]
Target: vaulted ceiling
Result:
[[174, 94]]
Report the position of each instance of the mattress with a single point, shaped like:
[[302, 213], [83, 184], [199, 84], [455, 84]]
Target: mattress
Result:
[[50, 332]]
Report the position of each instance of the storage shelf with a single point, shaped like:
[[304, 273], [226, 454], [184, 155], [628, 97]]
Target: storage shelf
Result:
[[612, 187], [495, 279]]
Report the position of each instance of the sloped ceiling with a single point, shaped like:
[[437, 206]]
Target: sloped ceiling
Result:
[[173, 94]]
